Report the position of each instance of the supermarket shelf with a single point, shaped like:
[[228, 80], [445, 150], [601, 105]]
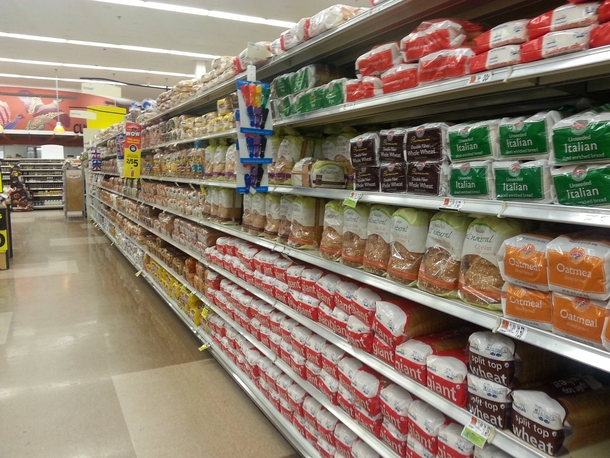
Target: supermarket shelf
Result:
[[42, 176], [58, 169], [227, 133], [46, 189], [47, 195], [194, 181], [112, 174], [48, 207]]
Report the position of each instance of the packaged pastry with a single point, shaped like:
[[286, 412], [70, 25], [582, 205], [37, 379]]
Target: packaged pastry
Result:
[[430, 178], [479, 140], [556, 44], [496, 58], [392, 145], [522, 261], [441, 65], [440, 267], [565, 17], [367, 179], [285, 217], [509, 33], [258, 214], [480, 280], [272, 214], [526, 182], [428, 142], [582, 185], [332, 236], [400, 77], [355, 222], [306, 228], [528, 138], [393, 177], [377, 249], [364, 150], [408, 233], [528, 306], [378, 60], [472, 179]]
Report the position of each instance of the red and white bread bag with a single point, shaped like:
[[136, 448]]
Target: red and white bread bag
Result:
[[309, 278], [433, 36], [296, 396], [496, 58], [326, 449], [363, 450], [395, 402], [400, 77], [346, 370], [364, 304], [344, 290], [600, 35], [331, 356], [286, 327], [383, 351], [604, 12], [340, 320], [297, 363], [282, 384], [370, 422], [555, 44], [345, 400], [280, 269], [416, 449], [441, 65], [311, 408], [509, 33], [451, 444], [329, 386], [393, 438], [313, 373], [327, 422], [424, 424], [363, 88], [359, 334], [344, 439], [325, 316], [293, 277], [447, 375], [366, 386], [299, 337], [307, 306], [325, 289], [565, 17], [313, 349], [378, 60]]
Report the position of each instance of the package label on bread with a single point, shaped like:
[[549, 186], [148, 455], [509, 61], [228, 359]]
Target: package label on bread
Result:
[[471, 179], [447, 376], [582, 185], [379, 222], [429, 178], [528, 138], [393, 177], [528, 181], [579, 267], [367, 179], [509, 33], [522, 261], [364, 150], [496, 58], [408, 243], [474, 141], [392, 145], [582, 138], [448, 231], [565, 17], [424, 424], [489, 401], [355, 220], [579, 318], [556, 44], [492, 357], [334, 93], [528, 306], [428, 142], [327, 174]]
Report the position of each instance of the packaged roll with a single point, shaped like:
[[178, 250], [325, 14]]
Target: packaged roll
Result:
[[430, 178], [525, 182], [480, 280], [450, 63], [496, 58], [364, 150], [378, 60], [332, 236], [400, 77], [377, 250], [526, 138], [582, 185], [556, 44], [522, 261], [392, 145], [306, 228], [451, 444], [355, 222], [364, 88], [565, 17], [440, 267], [528, 306], [509, 33], [408, 235], [583, 137], [367, 179], [474, 180], [489, 401], [579, 318], [393, 177], [428, 142], [479, 140]]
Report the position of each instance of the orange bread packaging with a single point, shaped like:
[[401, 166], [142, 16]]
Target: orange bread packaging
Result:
[[528, 306], [522, 261], [580, 318]]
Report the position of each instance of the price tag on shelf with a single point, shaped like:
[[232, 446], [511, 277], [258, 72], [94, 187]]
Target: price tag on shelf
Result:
[[452, 204], [352, 199], [203, 191], [480, 78], [478, 432], [138, 273], [348, 106], [512, 329]]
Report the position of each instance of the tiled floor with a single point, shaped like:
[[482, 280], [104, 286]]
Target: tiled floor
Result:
[[94, 364]]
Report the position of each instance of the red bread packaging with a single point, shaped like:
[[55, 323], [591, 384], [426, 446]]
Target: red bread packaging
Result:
[[311, 408], [370, 422], [313, 372], [447, 375], [344, 290], [365, 88], [344, 439], [329, 386], [600, 35], [383, 351], [296, 397], [445, 64], [314, 348], [359, 334], [509, 33], [364, 302], [393, 438], [325, 289], [309, 278], [400, 77], [346, 370], [424, 424], [378, 60], [395, 402], [555, 44], [366, 386], [604, 12], [331, 357], [565, 17], [326, 424], [451, 444], [299, 337], [496, 58], [345, 400]]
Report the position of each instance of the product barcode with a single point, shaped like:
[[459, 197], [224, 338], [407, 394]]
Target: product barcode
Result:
[[512, 329]]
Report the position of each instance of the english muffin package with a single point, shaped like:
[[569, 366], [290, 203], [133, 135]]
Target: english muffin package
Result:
[[408, 233], [474, 180], [522, 261], [528, 138], [480, 279], [332, 236], [285, 217], [474, 141], [524, 181], [439, 270], [355, 223], [377, 250]]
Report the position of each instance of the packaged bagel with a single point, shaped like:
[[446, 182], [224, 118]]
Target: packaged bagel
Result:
[[377, 249], [480, 280], [439, 270], [332, 236], [522, 261], [408, 233], [306, 228], [285, 217], [355, 223]]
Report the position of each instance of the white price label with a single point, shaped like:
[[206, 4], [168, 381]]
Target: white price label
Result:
[[478, 432], [480, 78], [352, 199], [349, 106], [452, 204], [512, 329]]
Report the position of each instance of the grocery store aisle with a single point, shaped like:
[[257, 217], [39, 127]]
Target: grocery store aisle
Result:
[[94, 364]]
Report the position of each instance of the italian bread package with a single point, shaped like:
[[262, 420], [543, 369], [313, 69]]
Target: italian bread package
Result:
[[408, 234], [439, 270], [582, 138], [307, 217], [474, 180], [480, 280], [509, 33], [377, 250], [579, 267], [332, 235], [522, 261], [451, 444], [582, 185], [355, 222], [528, 306], [528, 138], [565, 17], [428, 142], [470, 141], [489, 401], [524, 182], [579, 318]]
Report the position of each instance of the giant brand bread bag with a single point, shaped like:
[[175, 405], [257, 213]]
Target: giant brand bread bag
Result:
[[451, 444], [395, 402], [424, 424], [377, 249], [565, 17], [440, 267], [480, 279], [509, 33]]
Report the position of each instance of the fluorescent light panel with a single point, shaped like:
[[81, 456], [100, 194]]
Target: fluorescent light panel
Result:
[[73, 80], [201, 12], [94, 67], [172, 52]]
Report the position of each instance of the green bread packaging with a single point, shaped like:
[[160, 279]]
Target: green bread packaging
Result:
[[583, 185], [526, 182], [581, 138], [472, 141], [472, 180], [526, 138]]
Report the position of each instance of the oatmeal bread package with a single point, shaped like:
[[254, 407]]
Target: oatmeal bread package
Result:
[[377, 249], [556, 44], [509, 33], [579, 318], [474, 180], [428, 142], [332, 235], [392, 147], [528, 306], [367, 178], [306, 228], [472, 141], [364, 149], [393, 177], [430, 178], [285, 217], [480, 280], [522, 261], [439, 270], [528, 138], [451, 444], [259, 214], [524, 181], [582, 185], [408, 233], [272, 209], [355, 223], [565, 17], [424, 424], [489, 401], [496, 58]]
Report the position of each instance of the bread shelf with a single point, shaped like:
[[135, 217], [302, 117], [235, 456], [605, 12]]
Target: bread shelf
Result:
[[225, 134]]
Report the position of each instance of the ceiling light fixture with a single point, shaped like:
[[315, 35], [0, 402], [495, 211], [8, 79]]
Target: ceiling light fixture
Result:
[[83, 80], [94, 67], [20, 36], [201, 12]]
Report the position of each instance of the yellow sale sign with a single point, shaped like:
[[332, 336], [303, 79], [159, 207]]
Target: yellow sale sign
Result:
[[132, 151]]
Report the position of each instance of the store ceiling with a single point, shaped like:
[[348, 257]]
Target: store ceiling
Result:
[[95, 21]]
